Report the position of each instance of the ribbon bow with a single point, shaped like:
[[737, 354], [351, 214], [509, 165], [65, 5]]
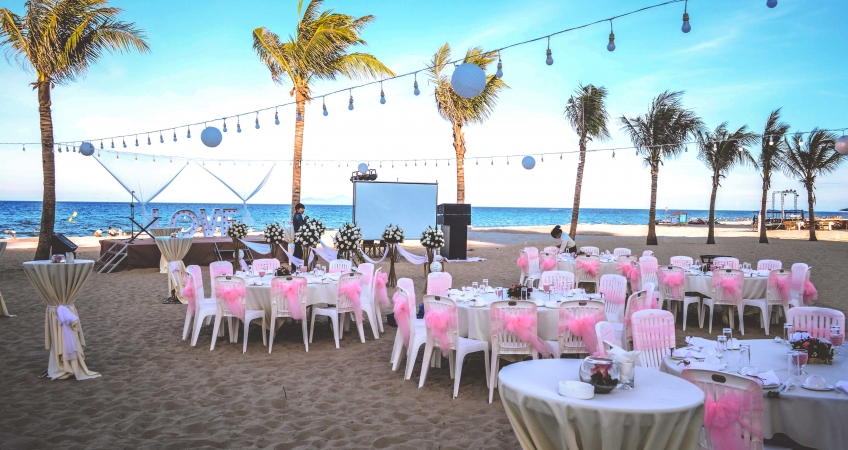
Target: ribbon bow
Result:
[[549, 264], [673, 280], [67, 319], [524, 264], [583, 327], [590, 266], [438, 323], [520, 325], [719, 418], [401, 310], [729, 286], [234, 298], [381, 294], [351, 291], [189, 293], [782, 285], [291, 290], [810, 294]]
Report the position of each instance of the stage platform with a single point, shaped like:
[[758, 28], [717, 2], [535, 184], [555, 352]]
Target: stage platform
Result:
[[144, 253]]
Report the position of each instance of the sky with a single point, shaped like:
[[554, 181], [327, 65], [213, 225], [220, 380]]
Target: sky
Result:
[[740, 61]]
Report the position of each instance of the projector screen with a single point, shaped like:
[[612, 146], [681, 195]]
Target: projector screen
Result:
[[410, 205]]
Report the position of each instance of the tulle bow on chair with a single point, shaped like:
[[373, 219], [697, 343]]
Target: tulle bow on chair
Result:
[[189, 292], [401, 310], [524, 264], [730, 287], [521, 325], [382, 295], [583, 327], [439, 322], [782, 285], [672, 280], [234, 297], [291, 290], [351, 291], [720, 417], [590, 266], [548, 264]]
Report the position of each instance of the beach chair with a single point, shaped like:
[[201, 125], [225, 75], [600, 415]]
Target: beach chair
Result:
[[231, 302], [638, 301], [728, 286], [648, 266], [673, 289], [288, 299], [614, 289], [653, 335], [349, 293]]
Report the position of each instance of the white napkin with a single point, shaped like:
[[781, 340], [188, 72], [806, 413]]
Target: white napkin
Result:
[[842, 385], [619, 355], [769, 378], [700, 342], [687, 353]]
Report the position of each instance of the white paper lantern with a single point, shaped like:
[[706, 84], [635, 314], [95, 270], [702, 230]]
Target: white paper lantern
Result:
[[468, 80], [435, 266], [211, 136], [842, 145], [86, 149], [363, 168], [528, 162]]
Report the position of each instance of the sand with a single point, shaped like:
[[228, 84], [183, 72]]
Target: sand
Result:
[[156, 391]]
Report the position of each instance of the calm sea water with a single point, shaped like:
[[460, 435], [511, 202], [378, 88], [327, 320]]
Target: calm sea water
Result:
[[24, 217]]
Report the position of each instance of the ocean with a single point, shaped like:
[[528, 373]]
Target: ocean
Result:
[[83, 218]]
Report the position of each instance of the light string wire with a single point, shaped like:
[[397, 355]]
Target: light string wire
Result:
[[413, 73]]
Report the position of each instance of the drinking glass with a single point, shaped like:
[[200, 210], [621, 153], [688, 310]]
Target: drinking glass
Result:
[[836, 338], [728, 333], [797, 360], [547, 288], [485, 285], [499, 293], [721, 345], [746, 368], [475, 287], [261, 273], [787, 334]]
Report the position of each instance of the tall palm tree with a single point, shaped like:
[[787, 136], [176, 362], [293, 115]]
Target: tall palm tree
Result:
[[721, 151], [772, 159], [659, 134], [463, 111], [59, 40], [319, 50], [587, 115], [806, 164]]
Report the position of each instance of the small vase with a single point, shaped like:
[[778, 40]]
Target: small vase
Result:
[[602, 373]]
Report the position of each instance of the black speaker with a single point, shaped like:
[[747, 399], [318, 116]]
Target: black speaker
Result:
[[61, 245]]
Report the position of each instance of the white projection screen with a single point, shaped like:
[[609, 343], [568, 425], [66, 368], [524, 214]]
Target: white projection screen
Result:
[[410, 205]]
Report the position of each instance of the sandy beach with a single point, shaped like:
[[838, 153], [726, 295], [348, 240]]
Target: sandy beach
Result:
[[156, 391]]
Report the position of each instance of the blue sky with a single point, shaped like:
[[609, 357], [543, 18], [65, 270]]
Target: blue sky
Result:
[[740, 61]]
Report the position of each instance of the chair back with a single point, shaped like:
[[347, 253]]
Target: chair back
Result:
[[345, 302], [407, 285], [532, 252], [195, 277], [681, 261], [746, 432], [648, 266], [778, 288], [604, 331], [578, 337], [547, 261], [376, 288], [528, 261], [648, 253], [552, 249], [439, 283], [585, 265], [266, 264], [653, 335], [638, 301], [769, 264], [726, 262], [816, 320], [560, 280], [367, 271], [219, 269], [441, 321], [505, 341], [589, 250], [231, 295], [340, 266], [672, 281], [621, 251], [288, 297], [800, 277], [405, 296], [614, 288], [728, 286]]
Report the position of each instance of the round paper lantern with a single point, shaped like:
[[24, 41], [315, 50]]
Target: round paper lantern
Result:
[[86, 149], [436, 266], [842, 145], [362, 168], [771, 3], [468, 80], [528, 162], [211, 136]]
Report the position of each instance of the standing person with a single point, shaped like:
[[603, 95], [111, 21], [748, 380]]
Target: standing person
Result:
[[297, 222], [565, 244]]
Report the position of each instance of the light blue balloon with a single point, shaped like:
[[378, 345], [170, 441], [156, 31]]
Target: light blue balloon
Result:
[[211, 136], [86, 149], [528, 162], [362, 168]]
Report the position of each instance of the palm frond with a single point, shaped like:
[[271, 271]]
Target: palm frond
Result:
[[818, 157], [587, 108]]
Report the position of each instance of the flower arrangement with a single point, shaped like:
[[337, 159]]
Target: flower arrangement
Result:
[[393, 234], [309, 235], [432, 238], [237, 230], [514, 291], [816, 349], [273, 233], [348, 241]]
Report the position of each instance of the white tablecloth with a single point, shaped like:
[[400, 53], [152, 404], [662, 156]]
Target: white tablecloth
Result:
[[753, 288], [317, 293], [59, 285], [3, 310], [811, 418], [661, 412], [173, 250]]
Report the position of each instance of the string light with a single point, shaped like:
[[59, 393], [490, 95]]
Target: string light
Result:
[[257, 119], [75, 148], [350, 103], [382, 95], [560, 156], [415, 85], [113, 143], [550, 60], [771, 3], [238, 124], [225, 125], [24, 148], [122, 141], [175, 135], [101, 145], [276, 117], [507, 160], [161, 139], [188, 133], [771, 140], [611, 45], [613, 154], [324, 106], [148, 139], [136, 140], [686, 27], [499, 73]]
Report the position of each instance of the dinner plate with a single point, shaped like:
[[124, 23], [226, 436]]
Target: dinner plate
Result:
[[770, 386], [828, 388]]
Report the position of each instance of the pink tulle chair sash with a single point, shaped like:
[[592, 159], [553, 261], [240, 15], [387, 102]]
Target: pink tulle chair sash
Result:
[[521, 325], [583, 327], [781, 283], [673, 280], [291, 289], [189, 292], [382, 295], [524, 264], [401, 310], [439, 323], [720, 417], [351, 291], [590, 266], [730, 287], [234, 297], [810, 294], [549, 264]]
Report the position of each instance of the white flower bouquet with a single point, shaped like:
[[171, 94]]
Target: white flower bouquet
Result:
[[393, 234], [237, 230], [432, 238], [273, 233], [349, 237], [309, 235]]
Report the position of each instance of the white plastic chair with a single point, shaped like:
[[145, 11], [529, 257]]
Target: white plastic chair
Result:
[[726, 262], [267, 265], [532, 272], [614, 289], [773, 298], [223, 310], [338, 314], [368, 297], [439, 283], [589, 250], [547, 261], [605, 332], [648, 266], [219, 269], [552, 249], [681, 261], [281, 306], [816, 320], [199, 306], [621, 251], [801, 273], [769, 264], [638, 301], [505, 342], [748, 427], [378, 312], [560, 280], [648, 253], [677, 294], [653, 335], [583, 276], [459, 346], [568, 343], [719, 297], [417, 330], [340, 266]]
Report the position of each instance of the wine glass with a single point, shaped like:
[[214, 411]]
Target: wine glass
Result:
[[836, 338], [547, 288], [261, 273]]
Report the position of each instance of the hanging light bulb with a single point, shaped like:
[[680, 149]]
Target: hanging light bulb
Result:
[[161, 139], [24, 148], [122, 141], [277, 117], [350, 103], [543, 158], [188, 132], [75, 148], [238, 124], [299, 117], [225, 125], [800, 142], [148, 139], [324, 106], [136, 157], [477, 162], [715, 147], [175, 135], [257, 120], [101, 145], [60, 149], [136, 140], [113, 143], [415, 85], [686, 27], [382, 95], [560, 156], [507, 160], [493, 161], [771, 140], [550, 60], [117, 156], [499, 73], [771, 3], [613, 154], [611, 45]]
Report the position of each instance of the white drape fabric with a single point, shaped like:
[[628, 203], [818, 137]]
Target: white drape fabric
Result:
[[143, 176], [327, 253], [375, 261], [262, 249], [413, 259], [3, 310], [59, 285], [240, 179], [295, 260]]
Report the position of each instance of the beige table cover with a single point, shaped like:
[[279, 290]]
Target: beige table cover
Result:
[[661, 412], [59, 285], [753, 288], [475, 321], [317, 293], [3, 310], [173, 250], [811, 418], [157, 232]]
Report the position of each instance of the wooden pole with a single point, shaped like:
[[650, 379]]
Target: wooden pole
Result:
[[392, 282]]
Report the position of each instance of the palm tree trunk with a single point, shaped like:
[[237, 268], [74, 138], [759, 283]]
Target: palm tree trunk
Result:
[[48, 167], [711, 229], [298, 149], [652, 213], [459, 147], [763, 235], [811, 199], [578, 187]]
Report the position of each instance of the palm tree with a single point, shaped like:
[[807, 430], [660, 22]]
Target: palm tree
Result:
[[721, 151], [587, 115], [805, 165], [772, 159], [461, 111], [319, 50], [59, 40], [659, 134]]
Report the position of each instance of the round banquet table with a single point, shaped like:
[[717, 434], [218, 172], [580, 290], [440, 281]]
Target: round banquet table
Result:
[[318, 291], [753, 287], [58, 285], [792, 413], [3, 310], [157, 232], [661, 412], [173, 250]]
